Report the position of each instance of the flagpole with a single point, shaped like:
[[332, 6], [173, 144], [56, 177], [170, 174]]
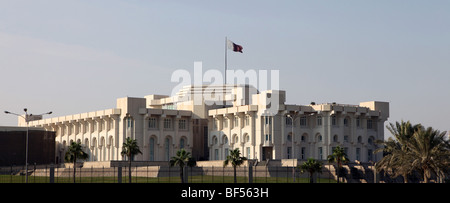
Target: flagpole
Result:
[[226, 50], [225, 81]]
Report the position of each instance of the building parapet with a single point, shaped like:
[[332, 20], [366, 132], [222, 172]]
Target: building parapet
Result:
[[233, 110], [74, 117]]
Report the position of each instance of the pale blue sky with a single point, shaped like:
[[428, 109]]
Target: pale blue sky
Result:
[[74, 56]]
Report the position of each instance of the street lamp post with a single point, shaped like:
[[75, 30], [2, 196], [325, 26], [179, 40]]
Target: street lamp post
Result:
[[27, 118], [292, 141]]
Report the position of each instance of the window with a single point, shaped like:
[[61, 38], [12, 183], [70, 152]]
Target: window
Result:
[[152, 123], [226, 152], [236, 121], [303, 121], [335, 138], [358, 154], [358, 122], [346, 122], [248, 152], [320, 153], [129, 124], [289, 137], [370, 140], [289, 149], [359, 139], [152, 149], [167, 123], [319, 138], [169, 106], [333, 120], [303, 138], [288, 121], [182, 124], [267, 120], [247, 120], [215, 140], [216, 154], [268, 137], [302, 154], [369, 124], [167, 148], [111, 124], [225, 140], [182, 143], [319, 120]]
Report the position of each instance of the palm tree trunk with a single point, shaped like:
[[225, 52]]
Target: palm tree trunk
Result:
[[338, 171], [426, 179], [129, 170], [234, 168], [182, 174], [311, 180]]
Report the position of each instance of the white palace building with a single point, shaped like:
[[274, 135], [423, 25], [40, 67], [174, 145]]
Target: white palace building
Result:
[[197, 119]]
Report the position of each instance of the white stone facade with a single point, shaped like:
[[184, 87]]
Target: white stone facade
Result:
[[318, 128], [208, 128], [159, 132]]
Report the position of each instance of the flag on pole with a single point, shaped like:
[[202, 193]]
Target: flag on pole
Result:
[[235, 47]]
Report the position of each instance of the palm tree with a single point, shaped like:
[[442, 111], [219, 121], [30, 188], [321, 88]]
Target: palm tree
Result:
[[339, 157], [415, 148], [430, 152], [182, 159], [235, 159], [396, 153], [403, 131], [311, 166], [75, 152], [129, 149], [395, 159]]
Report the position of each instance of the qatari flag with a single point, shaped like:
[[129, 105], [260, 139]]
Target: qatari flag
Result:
[[235, 47]]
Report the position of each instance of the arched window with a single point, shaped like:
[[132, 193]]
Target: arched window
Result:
[[370, 140], [167, 148], [152, 149], [182, 143], [347, 122], [236, 138], [289, 137]]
